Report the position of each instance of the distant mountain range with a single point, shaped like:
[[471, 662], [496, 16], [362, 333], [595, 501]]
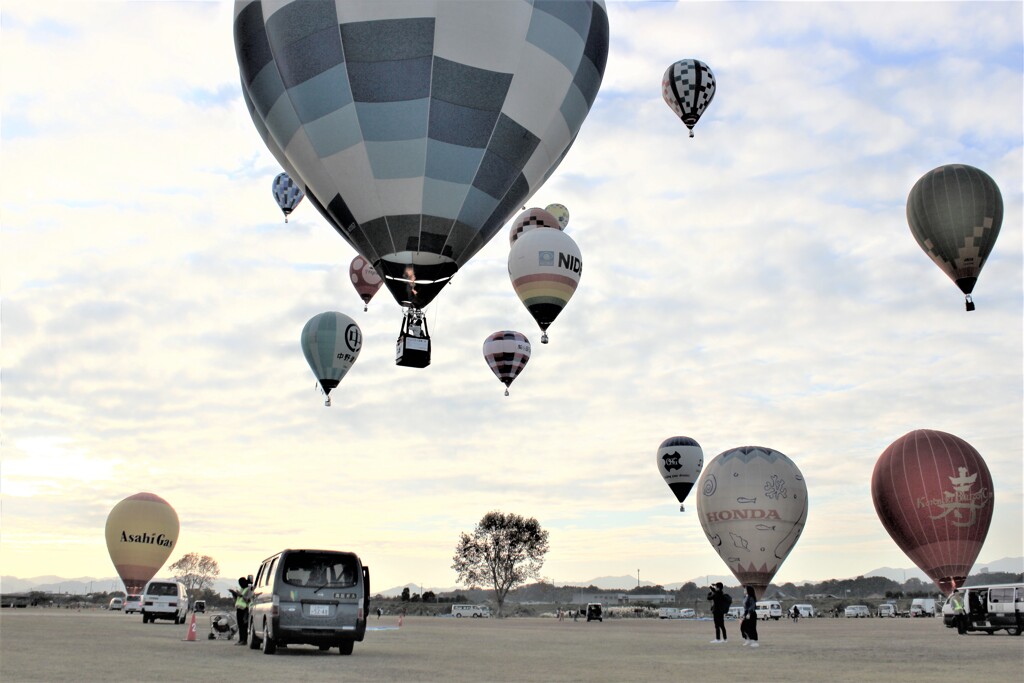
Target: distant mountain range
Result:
[[86, 584]]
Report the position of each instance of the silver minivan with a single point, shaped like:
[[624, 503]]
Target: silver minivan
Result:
[[315, 597]]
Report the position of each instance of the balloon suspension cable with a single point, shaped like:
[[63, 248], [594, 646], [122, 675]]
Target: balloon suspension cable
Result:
[[969, 302], [544, 337]]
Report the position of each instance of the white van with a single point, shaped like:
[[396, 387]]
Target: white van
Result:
[[734, 613], [768, 609], [477, 611], [922, 607], [887, 609], [805, 610], [669, 613], [986, 608], [166, 599]]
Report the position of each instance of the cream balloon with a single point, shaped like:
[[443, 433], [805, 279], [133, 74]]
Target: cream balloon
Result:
[[753, 507], [141, 532]]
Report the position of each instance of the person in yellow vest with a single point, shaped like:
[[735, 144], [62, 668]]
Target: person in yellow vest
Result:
[[243, 597]]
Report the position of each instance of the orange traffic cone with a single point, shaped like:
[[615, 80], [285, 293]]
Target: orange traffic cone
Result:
[[191, 629]]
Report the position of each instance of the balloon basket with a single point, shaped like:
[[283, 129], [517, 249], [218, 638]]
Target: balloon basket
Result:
[[544, 338], [327, 402], [969, 303]]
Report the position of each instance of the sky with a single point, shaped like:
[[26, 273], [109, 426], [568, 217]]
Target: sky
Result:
[[755, 285]]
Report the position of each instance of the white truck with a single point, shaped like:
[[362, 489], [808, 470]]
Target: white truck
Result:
[[922, 607]]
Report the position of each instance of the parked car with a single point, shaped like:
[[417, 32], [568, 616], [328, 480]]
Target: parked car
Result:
[[116, 604], [478, 611], [857, 612], [768, 609], [164, 600], [315, 597], [199, 607], [805, 610], [594, 612], [922, 607], [132, 603]]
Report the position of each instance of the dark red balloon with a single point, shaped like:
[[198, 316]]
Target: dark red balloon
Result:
[[934, 495]]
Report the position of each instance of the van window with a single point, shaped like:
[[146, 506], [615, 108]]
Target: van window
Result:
[[320, 569], [1001, 594], [269, 574], [163, 589]]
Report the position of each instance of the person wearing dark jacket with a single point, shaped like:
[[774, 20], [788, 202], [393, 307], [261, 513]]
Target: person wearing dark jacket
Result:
[[720, 602], [748, 627]]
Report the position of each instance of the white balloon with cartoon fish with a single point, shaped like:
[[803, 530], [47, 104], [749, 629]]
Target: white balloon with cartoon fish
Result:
[[753, 507]]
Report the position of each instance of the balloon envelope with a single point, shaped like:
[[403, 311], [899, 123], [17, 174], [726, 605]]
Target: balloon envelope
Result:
[[287, 194], [419, 128], [331, 342], [545, 268], [560, 212], [364, 278], [679, 460], [955, 213], [753, 507], [530, 219], [688, 87], [141, 532], [507, 353], [934, 495]]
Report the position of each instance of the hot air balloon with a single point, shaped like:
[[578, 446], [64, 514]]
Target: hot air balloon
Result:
[[530, 219], [545, 268], [934, 495], [955, 212], [507, 353], [419, 129], [688, 88], [331, 342], [141, 532], [753, 507], [287, 194], [560, 212], [364, 278], [679, 461]]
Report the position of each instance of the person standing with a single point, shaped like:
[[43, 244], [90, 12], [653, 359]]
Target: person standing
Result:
[[720, 602], [243, 596], [748, 627]]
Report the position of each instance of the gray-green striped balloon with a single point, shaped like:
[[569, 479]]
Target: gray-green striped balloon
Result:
[[955, 212], [331, 342]]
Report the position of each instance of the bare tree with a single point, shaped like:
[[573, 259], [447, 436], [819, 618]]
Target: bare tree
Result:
[[197, 573], [503, 552]]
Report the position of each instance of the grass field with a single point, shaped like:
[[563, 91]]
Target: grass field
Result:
[[95, 645]]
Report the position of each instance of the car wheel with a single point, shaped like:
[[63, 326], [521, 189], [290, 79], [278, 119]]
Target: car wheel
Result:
[[345, 647], [269, 646], [1013, 631], [458, 616], [254, 642]]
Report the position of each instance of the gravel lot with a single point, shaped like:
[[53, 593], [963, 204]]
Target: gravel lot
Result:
[[95, 645]]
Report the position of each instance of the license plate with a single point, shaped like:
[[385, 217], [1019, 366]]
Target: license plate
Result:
[[319, 610]]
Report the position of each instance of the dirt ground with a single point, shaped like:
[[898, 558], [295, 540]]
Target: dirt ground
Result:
[[95, 645]]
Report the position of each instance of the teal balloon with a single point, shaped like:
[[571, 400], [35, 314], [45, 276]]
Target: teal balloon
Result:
[[331, 342], [955, 212]]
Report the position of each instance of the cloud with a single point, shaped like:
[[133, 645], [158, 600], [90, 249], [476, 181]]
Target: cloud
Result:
[[756, 284]]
